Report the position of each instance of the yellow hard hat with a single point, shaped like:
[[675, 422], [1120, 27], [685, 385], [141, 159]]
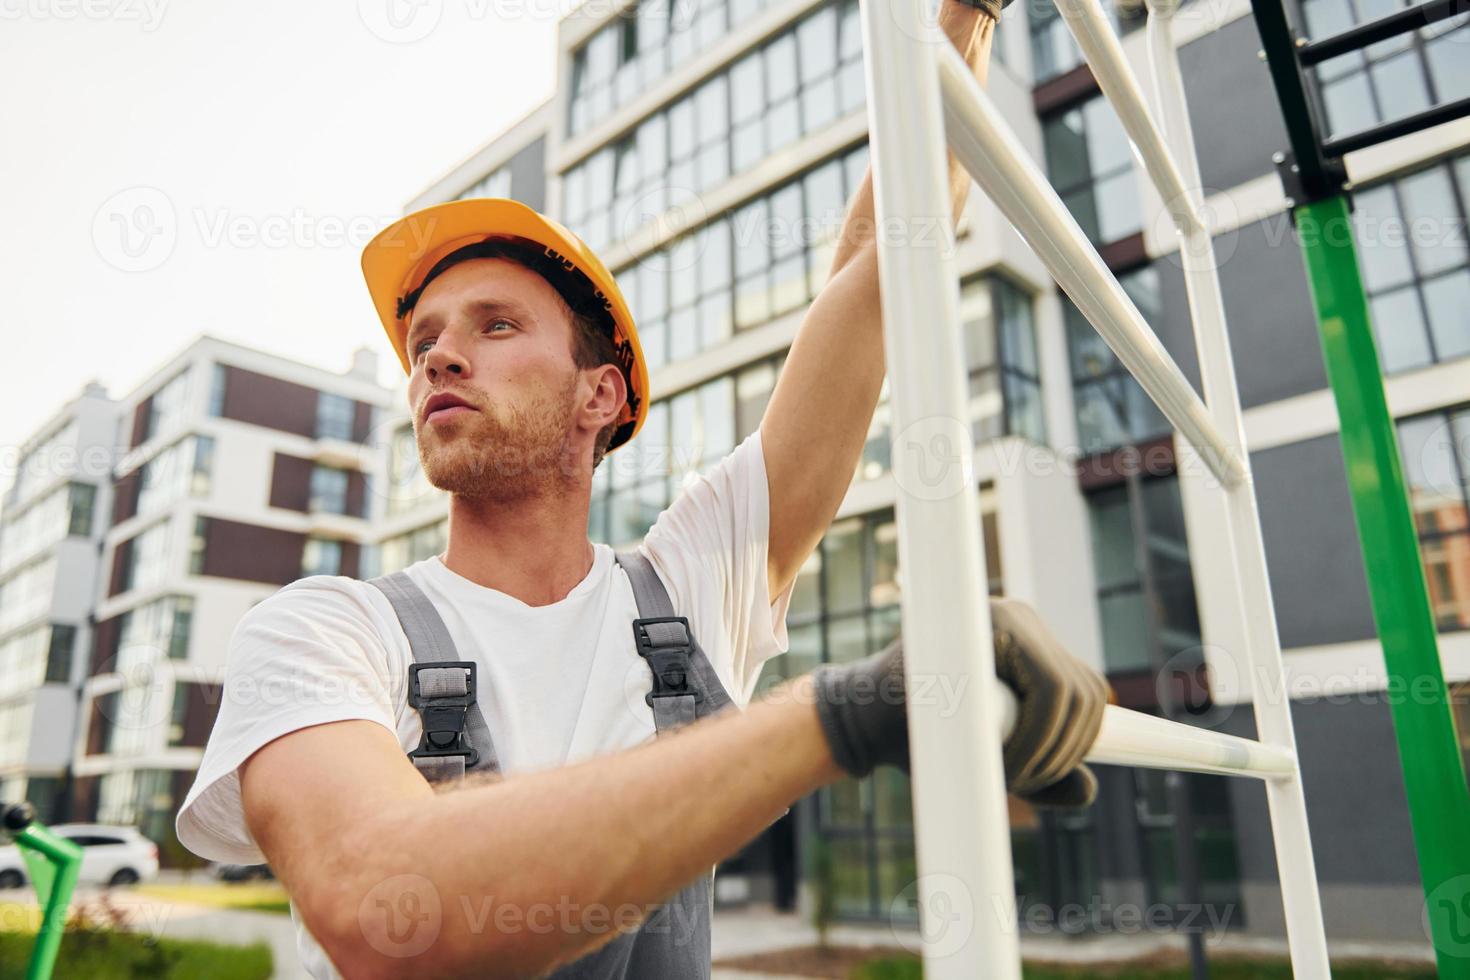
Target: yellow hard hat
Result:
[[398, 259]]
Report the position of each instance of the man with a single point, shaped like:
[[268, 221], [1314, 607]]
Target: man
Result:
[[588, 847]]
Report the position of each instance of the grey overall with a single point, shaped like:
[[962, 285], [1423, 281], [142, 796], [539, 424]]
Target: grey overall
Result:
[[674, 942]]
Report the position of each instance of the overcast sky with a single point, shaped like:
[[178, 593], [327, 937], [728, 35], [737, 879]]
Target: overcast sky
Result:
[[176, 167]]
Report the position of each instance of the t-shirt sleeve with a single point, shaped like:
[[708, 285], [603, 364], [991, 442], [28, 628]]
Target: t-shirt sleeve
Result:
[[310, 654], [710, 548]]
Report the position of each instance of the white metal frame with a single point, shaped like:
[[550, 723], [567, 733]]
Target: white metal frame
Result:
[[919, 89]]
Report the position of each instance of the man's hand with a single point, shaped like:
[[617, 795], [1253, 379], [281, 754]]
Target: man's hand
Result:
[[1060, 704]]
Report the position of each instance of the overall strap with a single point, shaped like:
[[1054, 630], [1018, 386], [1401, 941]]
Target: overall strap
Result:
[[441, 687], [685, 685]]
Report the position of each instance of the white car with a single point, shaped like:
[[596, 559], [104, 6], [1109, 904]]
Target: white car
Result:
[[110, 856]]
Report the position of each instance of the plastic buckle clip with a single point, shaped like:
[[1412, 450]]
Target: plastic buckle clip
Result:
[[670, 663], [443, 715]]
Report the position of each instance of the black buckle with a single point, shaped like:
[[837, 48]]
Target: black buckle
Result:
[[443, 716], [670, 664]]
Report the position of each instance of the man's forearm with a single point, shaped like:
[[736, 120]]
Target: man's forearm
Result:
[[523, 872], [817, 420]]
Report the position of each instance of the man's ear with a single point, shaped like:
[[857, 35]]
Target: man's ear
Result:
[[608, 395]]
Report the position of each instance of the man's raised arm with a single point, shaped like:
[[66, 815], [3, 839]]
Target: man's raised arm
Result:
[[817, 421]]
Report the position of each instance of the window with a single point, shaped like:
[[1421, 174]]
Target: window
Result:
[[27, 593], [162, 625], [1130, 596], [58, 655], [1390, 79], [407, 486], [845, 605], [1090, 163], [1112, 409], [1053, 50], [178, 712], [167, 407], [198, 544], [321, 556], [1436, 454], [218, 377], [766, 259], [182, 469], [334, 416], [82, 498], [419, 544], [797, 83], [43, 521], [24, 662], [642, 46], [1411, 234], [328, 490], [40, 463], [494, 184], [688, 433], [148, 558]]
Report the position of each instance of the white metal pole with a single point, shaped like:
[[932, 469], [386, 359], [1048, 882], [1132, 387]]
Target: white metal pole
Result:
[[1105, 57], [962, 829], [990, 151], [1253, 599], [1132, 738]]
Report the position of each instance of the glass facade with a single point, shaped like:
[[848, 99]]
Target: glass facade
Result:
[[686, 434], [160, 626], [1053, 51], [1390, 79], [639, 48], [1411, 234], [1090, 163], [147, 563], [1436, 455], [26, 593], [23, 660], [1129, 594], [798, 82], [38, 465], [1112, 408], [67, 510], [167, 407], [844, 606], [765, 259], [181, 470]]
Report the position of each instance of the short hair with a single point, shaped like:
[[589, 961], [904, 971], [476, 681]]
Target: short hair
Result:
[[593, 330]]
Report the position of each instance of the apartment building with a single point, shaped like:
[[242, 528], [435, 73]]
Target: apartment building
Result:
[[237, 472], [51, 532], [706, 150]]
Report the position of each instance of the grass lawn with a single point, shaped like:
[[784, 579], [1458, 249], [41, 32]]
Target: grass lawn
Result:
[[1172, 967], [102, 955], [267, 896]]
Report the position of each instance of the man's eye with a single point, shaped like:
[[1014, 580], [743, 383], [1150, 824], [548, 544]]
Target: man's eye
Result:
[[420, 347], [494, 324]]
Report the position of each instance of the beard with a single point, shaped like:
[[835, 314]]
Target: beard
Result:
[[503, 454]]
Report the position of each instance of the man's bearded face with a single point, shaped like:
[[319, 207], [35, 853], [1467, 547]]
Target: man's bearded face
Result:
[[494, 386]]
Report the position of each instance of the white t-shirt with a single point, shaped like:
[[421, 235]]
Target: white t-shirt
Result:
[[557, 684]]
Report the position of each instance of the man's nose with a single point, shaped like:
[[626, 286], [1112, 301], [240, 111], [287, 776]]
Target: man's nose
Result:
[[443, 359]]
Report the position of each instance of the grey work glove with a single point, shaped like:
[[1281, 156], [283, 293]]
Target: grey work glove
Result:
[[991, 7], [1059, 709]]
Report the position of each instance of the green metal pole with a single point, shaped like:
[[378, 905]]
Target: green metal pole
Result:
[[1434, 772], [66, 860]]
